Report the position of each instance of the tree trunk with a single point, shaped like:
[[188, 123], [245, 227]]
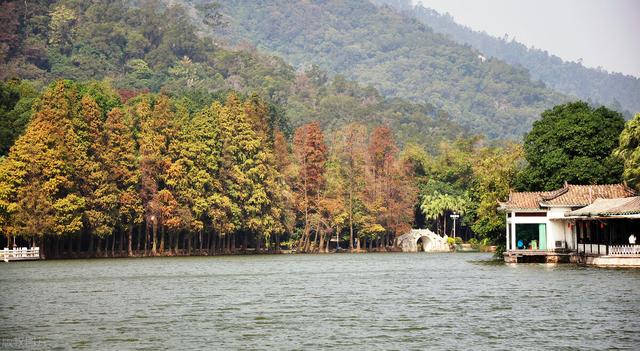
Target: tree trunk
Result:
[[350, 222], [161, 239], [155, 239], [173, 243], [321, 244], [258, 244], [129, 249], [90, 249], [121, 243], [139, 237], [146, 238], [444, 222], [245, 241], [43, 250], [106, 246], [113, 244], [233, 243]]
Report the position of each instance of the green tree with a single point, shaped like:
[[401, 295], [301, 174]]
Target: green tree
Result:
[[121, 160], [494, 174], [629, 151], [572, 143], [16, 98]]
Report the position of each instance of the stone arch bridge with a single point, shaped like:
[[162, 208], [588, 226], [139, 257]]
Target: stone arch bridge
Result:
[[431, 242]]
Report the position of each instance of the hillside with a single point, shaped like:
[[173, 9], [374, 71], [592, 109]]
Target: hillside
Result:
[[397, 55], [619, 91], [146, 47]]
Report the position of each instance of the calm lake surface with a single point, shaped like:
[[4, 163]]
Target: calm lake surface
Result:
[[341, 301]]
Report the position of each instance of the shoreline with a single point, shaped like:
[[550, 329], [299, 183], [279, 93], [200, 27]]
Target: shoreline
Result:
[[248, 252]]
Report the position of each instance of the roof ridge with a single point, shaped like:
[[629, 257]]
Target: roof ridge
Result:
[[601, 185]]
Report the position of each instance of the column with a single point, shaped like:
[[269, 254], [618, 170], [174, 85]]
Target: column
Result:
[[507, 247], [513, 231]]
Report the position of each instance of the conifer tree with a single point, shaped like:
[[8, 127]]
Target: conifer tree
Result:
[[48, 201], [351, 150], [121, 161], [310, 153], [156, 131]]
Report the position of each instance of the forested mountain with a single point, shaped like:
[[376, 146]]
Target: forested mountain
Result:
[[617, 90], [147, 47], [395, 54]]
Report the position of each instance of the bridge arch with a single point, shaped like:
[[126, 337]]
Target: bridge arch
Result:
[[422, 240]]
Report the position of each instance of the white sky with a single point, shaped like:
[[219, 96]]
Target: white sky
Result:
[[602, 32]]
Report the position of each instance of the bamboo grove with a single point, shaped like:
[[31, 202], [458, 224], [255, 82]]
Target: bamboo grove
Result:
[[95, 176]]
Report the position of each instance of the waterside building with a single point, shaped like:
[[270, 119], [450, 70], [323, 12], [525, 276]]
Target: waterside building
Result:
[[592, 224]]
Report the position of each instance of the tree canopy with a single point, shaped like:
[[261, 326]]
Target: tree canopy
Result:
[[628, 152], [572, 143]]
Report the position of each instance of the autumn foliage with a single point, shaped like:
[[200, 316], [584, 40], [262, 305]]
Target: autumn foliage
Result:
[[94, 175]]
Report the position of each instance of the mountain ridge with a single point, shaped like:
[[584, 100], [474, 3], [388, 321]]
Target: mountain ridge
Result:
[[397, 55], [598, 86]]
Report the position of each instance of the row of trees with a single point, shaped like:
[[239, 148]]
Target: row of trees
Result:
[[90, 172]]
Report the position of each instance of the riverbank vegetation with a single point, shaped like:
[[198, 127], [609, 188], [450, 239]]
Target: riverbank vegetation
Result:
[[121, 136]]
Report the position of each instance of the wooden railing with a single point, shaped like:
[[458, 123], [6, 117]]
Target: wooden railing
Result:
[[624, 250], [21, 253]]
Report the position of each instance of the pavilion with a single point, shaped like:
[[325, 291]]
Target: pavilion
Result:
[[570, 223]]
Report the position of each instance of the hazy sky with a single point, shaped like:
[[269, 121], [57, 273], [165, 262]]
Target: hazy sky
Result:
[[602, 32]]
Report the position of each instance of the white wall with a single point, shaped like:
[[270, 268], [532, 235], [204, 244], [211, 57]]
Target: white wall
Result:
[[557, 227]]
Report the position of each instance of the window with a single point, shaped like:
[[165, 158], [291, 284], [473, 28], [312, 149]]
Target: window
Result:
[[531, 236]]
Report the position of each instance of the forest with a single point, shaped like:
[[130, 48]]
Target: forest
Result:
[[397, 55], [152, 47], [120, 136]]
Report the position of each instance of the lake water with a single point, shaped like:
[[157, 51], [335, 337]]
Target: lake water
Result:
[[341, 301]]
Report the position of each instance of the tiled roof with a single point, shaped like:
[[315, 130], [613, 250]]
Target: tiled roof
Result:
[[609, 207], [524, 200], [567, 196], [584, 195]]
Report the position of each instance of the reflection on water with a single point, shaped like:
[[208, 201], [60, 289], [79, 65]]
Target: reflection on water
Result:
[[379, 301]]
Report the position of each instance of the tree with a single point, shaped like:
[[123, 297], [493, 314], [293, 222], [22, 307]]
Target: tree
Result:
[[46, 198], [16, 98], [572, 143], [100, 193], [249, 174], [437, 206], [350, 146], [310, 153], [121, 160], [62, 27], [390, 193], [629, 151], [494, 174], [156, 132]]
